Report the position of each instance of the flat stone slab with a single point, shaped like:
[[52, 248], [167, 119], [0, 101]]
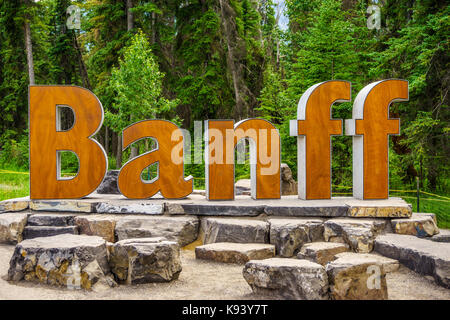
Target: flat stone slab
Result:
[[11, 227], [64, 260], [239, 253], [421, 255], [145, 260], [389, 208], [234, 230], [132, 208], [289, 235], [355, 277], [62, 206], [182, 230], [287, 278], [359, 234], [418, 225], [321, 252], [242, 205], [442, 236], [31, 232]]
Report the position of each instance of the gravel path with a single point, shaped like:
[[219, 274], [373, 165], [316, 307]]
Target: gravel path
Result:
[[199, 280]]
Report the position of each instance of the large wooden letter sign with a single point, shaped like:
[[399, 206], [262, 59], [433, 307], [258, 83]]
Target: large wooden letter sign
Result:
[[47, 140], [314, 126], [221, 138], [370, 128], [170, 180], [314, 129]]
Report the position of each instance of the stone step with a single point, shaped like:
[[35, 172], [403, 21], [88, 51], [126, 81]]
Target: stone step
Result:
[[31, 232], [239, 253], [287, 278], [359, 234], [97, 225], [234, 230], [389, 265], [420, 225], [53, 220], [182, 229], [421, 255], [442, 236], [321, 252]]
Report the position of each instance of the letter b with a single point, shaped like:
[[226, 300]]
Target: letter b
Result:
[[47, 139]]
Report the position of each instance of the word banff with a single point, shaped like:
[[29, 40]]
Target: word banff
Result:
[[370, 128]]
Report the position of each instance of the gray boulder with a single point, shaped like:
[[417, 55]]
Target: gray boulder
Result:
[[289, 235], [109, 183], [145, 260], [359, 234], [288, 185], [64, 260], [182, 230], [11, 227], [419, 225], [357, 277]]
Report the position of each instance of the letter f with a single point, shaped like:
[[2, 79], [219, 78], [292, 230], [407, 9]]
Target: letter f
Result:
[[370, 128], [314, 128]]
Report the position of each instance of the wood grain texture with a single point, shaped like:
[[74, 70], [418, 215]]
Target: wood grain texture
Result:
[[222, 137], [46, 141], [317, 126], [170, 181], [375, 127]]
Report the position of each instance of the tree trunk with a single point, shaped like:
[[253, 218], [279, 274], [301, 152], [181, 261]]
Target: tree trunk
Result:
[[119, 151], [82, 65], [231, 61], [130, 23], [29, 49], [106, 140]]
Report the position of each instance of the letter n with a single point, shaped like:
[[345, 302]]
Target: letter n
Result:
[[47, 140], [170, 181], [221, 138], [370, 128], [314, 128]]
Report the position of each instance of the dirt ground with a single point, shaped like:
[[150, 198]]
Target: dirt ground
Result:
[[199, 280]]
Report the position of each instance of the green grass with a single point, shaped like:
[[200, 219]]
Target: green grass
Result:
[[440, 207], [14, 185]]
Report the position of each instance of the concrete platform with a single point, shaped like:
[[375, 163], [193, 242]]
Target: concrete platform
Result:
[[196, 204]]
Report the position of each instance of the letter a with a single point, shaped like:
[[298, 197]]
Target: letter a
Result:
[[314, 128], [170, 180], [47, 140], [370, 128]]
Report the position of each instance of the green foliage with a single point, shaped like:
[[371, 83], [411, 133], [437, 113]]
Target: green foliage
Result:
[[14, 154], [209, 59], [137, 86]]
